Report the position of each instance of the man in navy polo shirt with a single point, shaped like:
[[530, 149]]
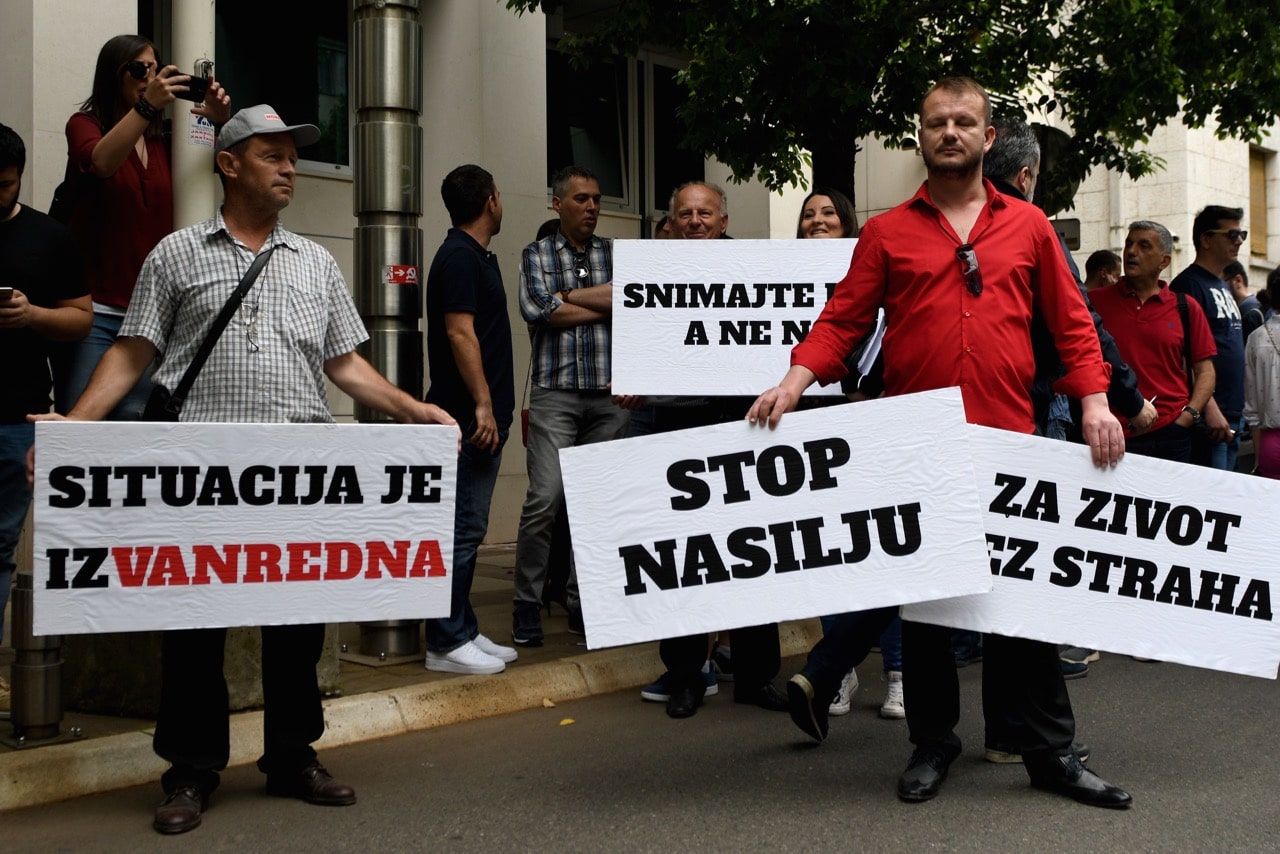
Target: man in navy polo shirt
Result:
[[469, 351]]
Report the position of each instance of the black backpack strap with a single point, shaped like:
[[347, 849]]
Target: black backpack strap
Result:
[[1185, 314], [179, 395]]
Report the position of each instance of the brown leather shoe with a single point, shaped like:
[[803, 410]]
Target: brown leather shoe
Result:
[[180, 811], [313, 785]]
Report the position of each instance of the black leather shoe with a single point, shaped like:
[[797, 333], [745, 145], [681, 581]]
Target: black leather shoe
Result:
[[313, 785], [924, 775], [807, 711], [683, 703], [766, 697], [1066, 775], [180, 811]]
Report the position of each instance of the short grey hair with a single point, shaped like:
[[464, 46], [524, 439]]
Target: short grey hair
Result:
[[1015, 148], [724, 200], [1166, 237]]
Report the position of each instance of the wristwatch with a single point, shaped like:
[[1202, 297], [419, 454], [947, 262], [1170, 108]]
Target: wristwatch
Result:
[[1196, 417]]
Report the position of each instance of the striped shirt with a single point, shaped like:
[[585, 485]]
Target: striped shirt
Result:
[[268, 364], [569, 358]]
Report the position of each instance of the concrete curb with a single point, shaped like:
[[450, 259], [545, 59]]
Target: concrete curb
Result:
[[58, 772]]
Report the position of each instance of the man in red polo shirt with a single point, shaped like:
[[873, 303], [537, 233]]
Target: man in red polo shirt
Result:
[[958, 270], [1141, 312]]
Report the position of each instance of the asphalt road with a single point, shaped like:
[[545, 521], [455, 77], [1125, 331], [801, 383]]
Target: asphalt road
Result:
[[1197, 749]]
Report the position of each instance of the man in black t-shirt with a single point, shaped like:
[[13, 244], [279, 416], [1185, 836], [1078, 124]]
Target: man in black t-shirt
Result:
[[469, 356], [49, 302]]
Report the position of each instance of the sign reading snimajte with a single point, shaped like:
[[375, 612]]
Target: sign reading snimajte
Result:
[[166, 526], [839, 509], [1152, 558], [717, 317]]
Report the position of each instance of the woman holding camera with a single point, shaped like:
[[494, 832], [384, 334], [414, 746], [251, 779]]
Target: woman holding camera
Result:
[[121, 194]]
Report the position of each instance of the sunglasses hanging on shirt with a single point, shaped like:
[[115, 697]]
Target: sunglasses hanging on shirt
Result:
[[581, 267], [969, 268]]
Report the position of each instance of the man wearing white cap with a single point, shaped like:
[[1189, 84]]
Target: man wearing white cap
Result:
[[295, 326]]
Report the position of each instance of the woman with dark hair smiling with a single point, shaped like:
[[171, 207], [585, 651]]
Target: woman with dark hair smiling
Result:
[[121, 194], [827, 213]]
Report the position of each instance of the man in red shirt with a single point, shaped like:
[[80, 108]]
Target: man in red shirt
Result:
[[1141, 312], [958, 270]]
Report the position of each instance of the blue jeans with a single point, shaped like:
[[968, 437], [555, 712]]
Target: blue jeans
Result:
[[890, 639], [15, 498], [846, 640], [73, 365], [477, 475], [1222, 455]]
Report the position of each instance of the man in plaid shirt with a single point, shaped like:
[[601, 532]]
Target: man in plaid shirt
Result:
[[566, 295], [296, 326]]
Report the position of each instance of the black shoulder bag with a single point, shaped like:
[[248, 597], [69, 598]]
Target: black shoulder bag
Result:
[[163, 406]]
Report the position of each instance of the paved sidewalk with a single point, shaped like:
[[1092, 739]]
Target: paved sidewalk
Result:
[[375, 702]]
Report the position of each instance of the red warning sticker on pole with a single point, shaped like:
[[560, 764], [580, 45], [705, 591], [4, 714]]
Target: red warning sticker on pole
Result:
[[401, 274]]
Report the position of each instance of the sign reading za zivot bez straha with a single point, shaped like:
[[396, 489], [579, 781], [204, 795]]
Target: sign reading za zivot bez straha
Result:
[[838, 509], [717, 317], [841, 509], [1152, 558], [168, 526]]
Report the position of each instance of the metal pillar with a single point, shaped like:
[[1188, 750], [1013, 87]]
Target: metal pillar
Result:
[[195, 187], [36, 674], [387, 165]]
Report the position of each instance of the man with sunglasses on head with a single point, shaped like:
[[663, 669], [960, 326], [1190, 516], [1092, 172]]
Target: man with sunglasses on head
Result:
[[1217, 236], [566, 296], [295, 326], [959, 270]]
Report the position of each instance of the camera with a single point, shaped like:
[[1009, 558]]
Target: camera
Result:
[[6, 294], [198, 82]]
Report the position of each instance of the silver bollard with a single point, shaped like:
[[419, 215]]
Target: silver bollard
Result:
[[36, 674], [389, 638]]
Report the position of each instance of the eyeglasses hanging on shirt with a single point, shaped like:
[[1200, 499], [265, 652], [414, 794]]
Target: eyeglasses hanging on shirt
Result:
[[249, 314]]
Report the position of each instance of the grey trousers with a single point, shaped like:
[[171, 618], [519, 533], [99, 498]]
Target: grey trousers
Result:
[[557, 419]]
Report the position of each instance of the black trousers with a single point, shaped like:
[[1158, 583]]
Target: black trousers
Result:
[[193, 728], [1018, 675], [756, 659]]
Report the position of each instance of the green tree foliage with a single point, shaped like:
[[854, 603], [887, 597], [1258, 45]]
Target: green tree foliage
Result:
[[768, 80]]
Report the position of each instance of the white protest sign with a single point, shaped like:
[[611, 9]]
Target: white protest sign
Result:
[[1152, 558], [717, 317], [164, 526], [839, 509]]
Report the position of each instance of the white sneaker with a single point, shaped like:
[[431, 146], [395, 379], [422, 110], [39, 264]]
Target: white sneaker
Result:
[[467, 658], [497, 650], [894, 708], [843, 700]]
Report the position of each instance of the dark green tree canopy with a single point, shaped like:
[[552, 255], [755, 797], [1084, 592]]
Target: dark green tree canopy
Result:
[[768, 80]]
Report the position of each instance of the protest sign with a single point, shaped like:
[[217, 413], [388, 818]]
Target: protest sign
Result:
[[839, 509], [1152, 558], [717, 317], [165, 526]]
